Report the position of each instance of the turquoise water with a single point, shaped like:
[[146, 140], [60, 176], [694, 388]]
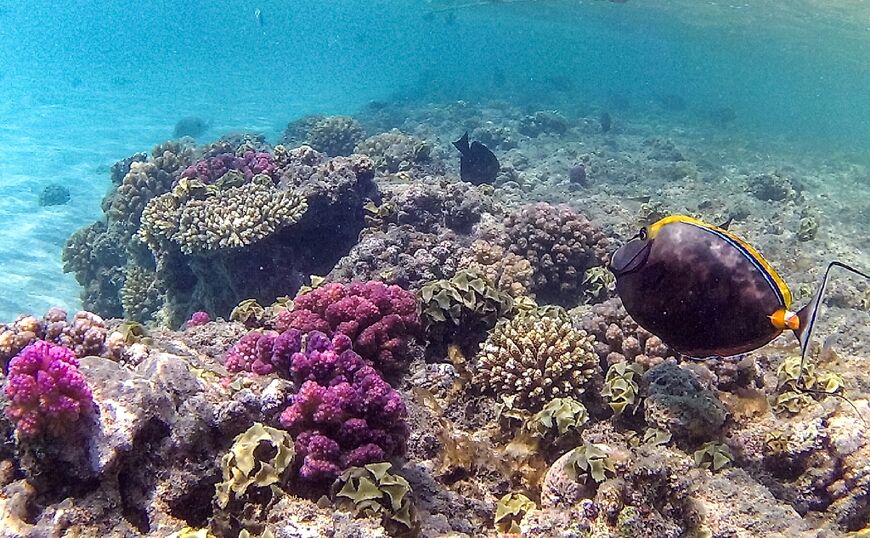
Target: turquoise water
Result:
[[85, 84]]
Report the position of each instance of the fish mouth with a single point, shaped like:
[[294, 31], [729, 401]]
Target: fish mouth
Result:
[[629, 257]]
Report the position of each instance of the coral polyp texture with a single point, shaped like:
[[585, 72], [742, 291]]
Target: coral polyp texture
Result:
[[249, 164], [335, 135], [536, 358], [85, 334], [344, 414], [618, 338], [394, 151], [380, 320], [46, 391], [560, 243], [264, 352], [231, 219]]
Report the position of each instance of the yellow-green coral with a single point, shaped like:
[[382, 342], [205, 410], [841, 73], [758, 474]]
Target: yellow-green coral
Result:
[[395, 151], [335, 135], [508, 271], [249, 312], [596, 281], [373, 490], [792, 396], [231, 218], [537, 358], [242, 469], [562, 413], [713, 456], [458, 308], [589, 461], [620, 388], [510, 511]]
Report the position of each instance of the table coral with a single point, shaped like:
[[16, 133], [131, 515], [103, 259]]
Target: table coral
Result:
[[536, 358], [45, 389], [344, 414], [561, 245], [232, 218], [379, 319]]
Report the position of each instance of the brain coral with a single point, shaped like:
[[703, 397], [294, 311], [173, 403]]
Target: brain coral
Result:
[[561, 245], [536, 358], [232, 218]]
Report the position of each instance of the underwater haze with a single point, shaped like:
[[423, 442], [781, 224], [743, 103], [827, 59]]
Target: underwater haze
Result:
[[87, 83]]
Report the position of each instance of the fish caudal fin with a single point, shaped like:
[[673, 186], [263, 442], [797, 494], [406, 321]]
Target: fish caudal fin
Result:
[[808, 314]]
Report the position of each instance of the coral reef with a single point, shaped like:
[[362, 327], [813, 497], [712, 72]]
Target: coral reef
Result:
[[560, 244], [245, 466], [335, 135], [395, 151], [618, 338], [231, 219], [344, 415], [374, 491], [543, 122], [462, 309], [507, 271], [86, 334], [536, 358], [380, 320], [46, 391], [676, 402]]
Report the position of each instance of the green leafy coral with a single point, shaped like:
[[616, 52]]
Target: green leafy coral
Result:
[[245, 465], [794, 384], [589, 462], [713, 456], [510, 511], [620, 387], [459, 309], [373, 490], [561, 414]]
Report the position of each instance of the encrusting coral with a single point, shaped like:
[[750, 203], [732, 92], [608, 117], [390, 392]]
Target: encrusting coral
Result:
[[536, 358]]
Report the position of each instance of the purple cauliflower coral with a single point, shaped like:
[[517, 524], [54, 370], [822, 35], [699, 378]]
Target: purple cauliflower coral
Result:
[[380, 320], [344, 414], [264, 352], [251, 163], [45, 389]]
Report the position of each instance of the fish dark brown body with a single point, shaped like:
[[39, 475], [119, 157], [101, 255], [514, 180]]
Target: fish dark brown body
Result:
[[478, 164], [699, 289]]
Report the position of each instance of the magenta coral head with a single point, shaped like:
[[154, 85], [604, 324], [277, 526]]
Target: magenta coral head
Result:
[[46, 391], [198, 319], [344, 414], [379, 319]]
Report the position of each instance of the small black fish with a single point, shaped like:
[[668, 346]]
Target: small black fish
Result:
[[478, 164], [606, 122]]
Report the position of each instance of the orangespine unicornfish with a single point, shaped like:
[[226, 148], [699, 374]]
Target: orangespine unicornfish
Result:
[[706, 292]]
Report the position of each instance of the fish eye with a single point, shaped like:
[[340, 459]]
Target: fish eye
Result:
[[642, 234]]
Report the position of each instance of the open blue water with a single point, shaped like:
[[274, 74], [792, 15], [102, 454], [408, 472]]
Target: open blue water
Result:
[[84, 84]]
